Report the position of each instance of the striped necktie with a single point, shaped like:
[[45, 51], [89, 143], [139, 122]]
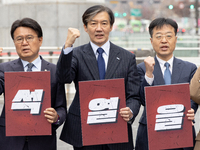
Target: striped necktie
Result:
[[101, 63], [167, 74], [30, 65]]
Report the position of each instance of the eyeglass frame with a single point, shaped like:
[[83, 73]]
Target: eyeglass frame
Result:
[[159, 37], [26, 38]]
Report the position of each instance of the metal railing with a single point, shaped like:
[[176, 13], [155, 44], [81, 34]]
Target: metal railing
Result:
[[51, 54]]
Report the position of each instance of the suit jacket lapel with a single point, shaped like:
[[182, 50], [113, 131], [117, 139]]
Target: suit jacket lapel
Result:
[[113, 61], [45, 65], [17, 65], [91, 61], [158, 76], [176, 71]]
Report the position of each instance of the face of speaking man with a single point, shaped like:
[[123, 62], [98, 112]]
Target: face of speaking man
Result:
[[27, 43], [164, 41], [99, 28]]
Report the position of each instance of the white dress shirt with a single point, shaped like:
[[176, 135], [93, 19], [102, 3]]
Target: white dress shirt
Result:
[[37, 64]]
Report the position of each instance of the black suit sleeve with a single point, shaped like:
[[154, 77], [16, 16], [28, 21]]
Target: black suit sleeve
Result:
[[66, 67], [60, 103], [63, 71], [132, 89], [58, 97]]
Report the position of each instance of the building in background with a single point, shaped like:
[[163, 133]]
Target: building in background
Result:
[[144, 11], [55, 17]]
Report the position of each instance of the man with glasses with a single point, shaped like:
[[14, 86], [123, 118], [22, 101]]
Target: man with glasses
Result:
[[27, 36], [163, 39]]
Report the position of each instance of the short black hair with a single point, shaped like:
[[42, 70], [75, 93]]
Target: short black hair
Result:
[[160, 22], [94, 10], [26, 22]]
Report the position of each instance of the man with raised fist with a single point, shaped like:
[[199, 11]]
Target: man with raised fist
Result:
[[81, 64]]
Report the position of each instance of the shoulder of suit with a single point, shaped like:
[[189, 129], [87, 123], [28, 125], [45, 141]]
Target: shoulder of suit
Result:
[[48, 63], [116, 47], [10, 62], [141, 65], [8, 66], [183, 62], [120, 49]]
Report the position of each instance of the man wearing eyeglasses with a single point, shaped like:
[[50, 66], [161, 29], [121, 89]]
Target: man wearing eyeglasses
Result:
[[27, 36], [163, 39]]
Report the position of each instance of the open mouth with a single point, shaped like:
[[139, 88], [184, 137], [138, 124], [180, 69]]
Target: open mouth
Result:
[[99, 36], [164, 47], [25, 49]]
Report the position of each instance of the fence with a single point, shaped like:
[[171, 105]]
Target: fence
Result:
[[51, 54]]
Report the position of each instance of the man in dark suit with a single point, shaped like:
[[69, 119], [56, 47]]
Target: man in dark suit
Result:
[[80, 64], [27, 37], [163, 39]]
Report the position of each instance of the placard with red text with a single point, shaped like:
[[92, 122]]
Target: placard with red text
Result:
[[100, 102], [166, 109], [27, 95]]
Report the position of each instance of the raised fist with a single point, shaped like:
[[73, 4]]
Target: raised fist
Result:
[[72, 34], [149, 64]]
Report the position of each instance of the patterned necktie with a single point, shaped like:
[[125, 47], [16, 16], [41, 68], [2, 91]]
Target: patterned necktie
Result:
[[101, 63], [167, 74], [30, 65]]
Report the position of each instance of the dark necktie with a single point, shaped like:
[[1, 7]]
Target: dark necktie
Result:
[[30, 65], [101, 63], [167, 74]]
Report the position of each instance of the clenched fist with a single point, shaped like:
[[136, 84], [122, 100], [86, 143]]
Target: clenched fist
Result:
[[126, 113], [51, 115], [149, 64], [72, 34]]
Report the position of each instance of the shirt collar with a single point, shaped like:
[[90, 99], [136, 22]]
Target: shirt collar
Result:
[[105, 47], [36, 62], [162, 62]]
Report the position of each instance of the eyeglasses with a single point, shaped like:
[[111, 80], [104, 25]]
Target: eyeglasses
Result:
[[167, 36], [28, 39]]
